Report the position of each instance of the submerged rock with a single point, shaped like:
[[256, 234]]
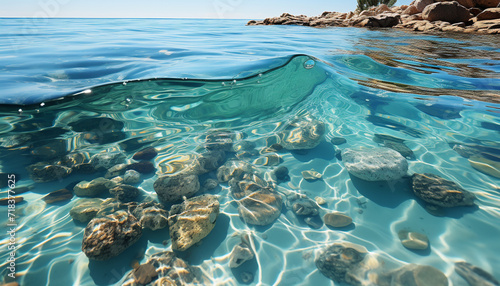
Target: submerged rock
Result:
[[42, 172], [241, 253], [261, 207], [234, 169], [302, 133], [338, 140], [145, 154], [58, 196], [85, 209], [219, 140], [145, 273], [486, 166], [210, 184], [131, 177], [311, 175], [413, 275], [337, 219], [108, 236], [302, 205], [440, 192], [143, 167], [170, 270], [93, 188], [116, 170], [192, 220], [107, 160], [474, 275], [375, 164], [125, 193], [55, 149], [5, 201], [413, 240], [150, 215], [340, 261], [172, 188], [281, 173], [208, 161]]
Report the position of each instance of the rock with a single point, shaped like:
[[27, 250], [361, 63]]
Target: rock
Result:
[[42, 172], [239, 255], [375, 164], [489, 14], [475, 11], [401, 148], [145, 154], [116, 170], [72, 159], [381, 21], [108, 236], [337, 219], [84, 168], [314, 222], [413, 275], [302, 133], [281, 173], [311, 175], [125, 193], [340, 261], [143, 167], [145, 273], [171, 188], [210, 184], [413, 240], [93, 188], [5, 201], [485, 166], [219, 140], [107, 160], [209, 161], [382, 8], [268, 160], [53, 150], [467, 3], [171, 270], [192, 220], [487, 24], [150, 215], [487, 3], [234, 169], [244, 145], [474, 275], [411, 10], [421, 4], [338, 140], [85, 209], [131, 177], [440, 192], [446, 11], [302, 206], [261, 207], [58, 196], [320, 200], [246, 277]]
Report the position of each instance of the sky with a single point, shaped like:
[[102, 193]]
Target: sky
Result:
[[225, 9]]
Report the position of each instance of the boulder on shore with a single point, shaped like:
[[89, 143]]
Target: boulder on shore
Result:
[[451, 12]]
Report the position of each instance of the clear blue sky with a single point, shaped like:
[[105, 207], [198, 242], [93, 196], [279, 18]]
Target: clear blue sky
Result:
[[239, 9]]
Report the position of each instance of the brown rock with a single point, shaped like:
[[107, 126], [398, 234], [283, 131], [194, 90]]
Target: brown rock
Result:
[[145, 273], [143, 167], [145, 154], [475, 11], [382, 8], [487, 3], [489, 14], [337, 219], [446, 11], [487, 24], [5, 201], [411, 10], [466, 3], [58, 196], [421, 4]]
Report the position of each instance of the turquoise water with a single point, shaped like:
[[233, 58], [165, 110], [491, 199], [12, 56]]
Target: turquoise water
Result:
[[166, 83]]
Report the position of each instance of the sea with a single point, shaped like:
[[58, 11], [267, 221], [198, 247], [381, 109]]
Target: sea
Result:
[[92, 86]]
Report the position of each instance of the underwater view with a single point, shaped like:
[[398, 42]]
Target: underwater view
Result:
[[207, 152]]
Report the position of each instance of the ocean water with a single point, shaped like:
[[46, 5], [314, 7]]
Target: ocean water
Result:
[[99, 85]]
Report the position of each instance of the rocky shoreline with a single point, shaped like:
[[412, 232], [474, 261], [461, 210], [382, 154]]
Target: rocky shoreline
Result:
[[463, 16]]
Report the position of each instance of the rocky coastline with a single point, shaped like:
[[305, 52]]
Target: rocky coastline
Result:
[[462, 16]]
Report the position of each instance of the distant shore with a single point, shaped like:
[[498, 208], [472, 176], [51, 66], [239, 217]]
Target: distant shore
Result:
[[464, 16]]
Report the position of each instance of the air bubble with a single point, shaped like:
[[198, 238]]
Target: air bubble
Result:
[[234, 81], [223, 84], [42, 104], [20, 110], [309, 64], [128, 100], [124, 83]]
